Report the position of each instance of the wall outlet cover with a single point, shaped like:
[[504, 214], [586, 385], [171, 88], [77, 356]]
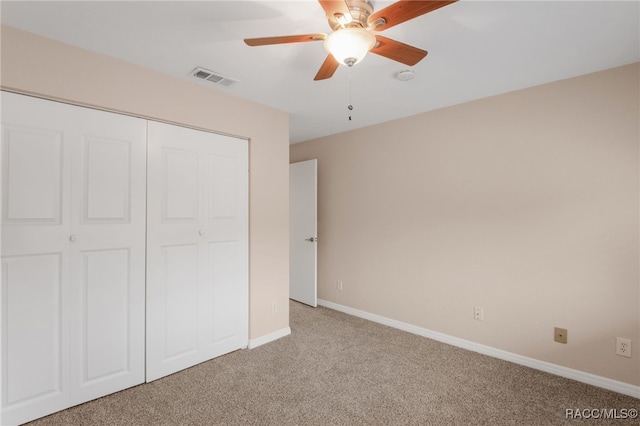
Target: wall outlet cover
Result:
[[560, 335], [478, 313], [623, 347]]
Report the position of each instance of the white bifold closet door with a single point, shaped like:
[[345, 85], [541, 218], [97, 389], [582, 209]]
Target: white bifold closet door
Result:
[[73, 255], [197, 247]]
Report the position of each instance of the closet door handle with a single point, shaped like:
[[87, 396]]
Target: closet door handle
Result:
[[201, 232], [73, 238]]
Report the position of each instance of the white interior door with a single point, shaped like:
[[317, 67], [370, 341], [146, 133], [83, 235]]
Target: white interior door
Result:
[[108, 238], [73, 242], [35, 260], [303, 183], [197, 247]]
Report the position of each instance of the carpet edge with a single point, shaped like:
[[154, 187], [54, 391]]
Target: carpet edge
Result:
[[558, 370]]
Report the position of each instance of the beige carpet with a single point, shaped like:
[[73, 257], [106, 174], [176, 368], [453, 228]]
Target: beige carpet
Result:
[[335, 369]]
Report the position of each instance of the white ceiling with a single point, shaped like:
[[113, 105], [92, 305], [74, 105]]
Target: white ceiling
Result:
[[476, 49]]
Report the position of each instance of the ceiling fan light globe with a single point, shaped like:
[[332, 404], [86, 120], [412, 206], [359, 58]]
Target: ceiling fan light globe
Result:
[[349, 45]]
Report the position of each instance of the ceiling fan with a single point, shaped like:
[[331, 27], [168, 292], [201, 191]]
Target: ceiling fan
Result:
[[354, 26]]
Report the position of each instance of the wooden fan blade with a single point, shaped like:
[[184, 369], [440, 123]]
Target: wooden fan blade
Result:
[[405, 10], [263, 41], [397, 51], [328, 68], [335, 7]]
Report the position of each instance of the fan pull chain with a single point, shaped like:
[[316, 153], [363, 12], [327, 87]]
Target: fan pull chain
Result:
[[350, 106]]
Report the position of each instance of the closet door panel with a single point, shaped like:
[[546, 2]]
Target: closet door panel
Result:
[[227, 240], [73, 255], [197, 297], [35, 258], [108, 253], [173, 259]]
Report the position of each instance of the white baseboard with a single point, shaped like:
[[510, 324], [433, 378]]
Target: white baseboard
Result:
[[558, 370], [267, 338]]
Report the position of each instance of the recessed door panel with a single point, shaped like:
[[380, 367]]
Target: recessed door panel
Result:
[[224, 281], [107, 180], [32, 322], [180, 176], [224, 187], [32, 176], [106, 319], [181, 299]]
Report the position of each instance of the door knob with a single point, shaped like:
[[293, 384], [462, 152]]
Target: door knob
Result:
[[312, 239], [201, 232], [73, 238]]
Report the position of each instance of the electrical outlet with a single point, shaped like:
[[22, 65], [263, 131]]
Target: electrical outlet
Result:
[[478, 313], [339, 284], [274, 307], [623, 347], [560, 335]]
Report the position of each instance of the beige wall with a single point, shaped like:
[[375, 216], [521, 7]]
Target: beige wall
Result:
[[525, 204], [36, 65]]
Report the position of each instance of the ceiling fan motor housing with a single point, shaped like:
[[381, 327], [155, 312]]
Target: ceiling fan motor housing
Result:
[[360, 11]]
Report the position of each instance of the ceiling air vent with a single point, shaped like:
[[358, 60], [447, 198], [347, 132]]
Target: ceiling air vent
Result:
[[213, 77]]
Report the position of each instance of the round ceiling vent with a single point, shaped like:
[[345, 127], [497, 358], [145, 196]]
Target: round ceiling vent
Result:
[[405, 75]]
